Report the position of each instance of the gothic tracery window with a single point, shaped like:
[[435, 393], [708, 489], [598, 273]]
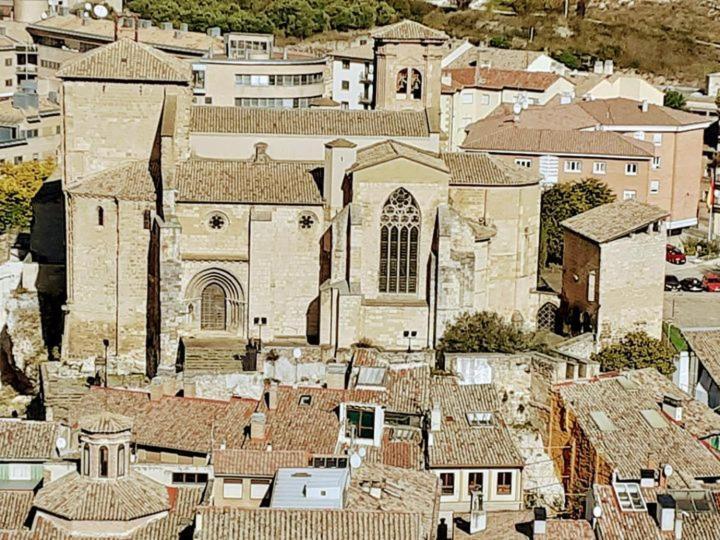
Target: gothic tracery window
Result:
[[399, 234]]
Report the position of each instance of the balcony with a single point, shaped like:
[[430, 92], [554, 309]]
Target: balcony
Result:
[[365, 100], [367, 77]]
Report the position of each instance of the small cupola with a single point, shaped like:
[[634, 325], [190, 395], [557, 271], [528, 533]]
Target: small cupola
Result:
[[105, 445]]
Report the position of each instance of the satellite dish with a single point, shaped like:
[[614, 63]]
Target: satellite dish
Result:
[[597, 511], [100, 11], [61, 443], [362, 451], [44, 15], [667, 470], [517, 108], [297, 353], [355, 461], [88, 6], [86, 14]]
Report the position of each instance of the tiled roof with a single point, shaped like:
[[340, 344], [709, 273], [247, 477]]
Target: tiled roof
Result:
[[14, 508], [457, 443], [401, 491], [105, 422], [130, 181], [126, 60], [241, 462], [104, 30], [499, 79], [407, 30], [706, 346], [22, 440], [629, 441], [614, 220], [514, 59], [10, 114], [481, 169], [492, 136], [317, 121], [387, 150], [361, 52], [624, 112], [247, 181], [264, 523], [77, 497], [185, 424], [513, 525]]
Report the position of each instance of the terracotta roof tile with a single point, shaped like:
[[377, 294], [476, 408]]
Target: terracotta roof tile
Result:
[[317, 121], [130, 181], [126, 60], [105, 422], [27, 440], [481, 169], [621, 111], [14, 508], [499, 79], [247, 181], [706, 346], [614, 220], [387, 150], [237, 461], [514, 59], [407, 30]]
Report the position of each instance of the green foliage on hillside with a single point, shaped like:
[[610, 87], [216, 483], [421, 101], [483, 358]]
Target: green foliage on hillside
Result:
[[18, 185], [562, 202]]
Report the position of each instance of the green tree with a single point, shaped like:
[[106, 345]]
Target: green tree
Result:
[[18, 185], [637, 350], [562, 202], [483, 331], [569, 58], [500, 42], [674, 99]]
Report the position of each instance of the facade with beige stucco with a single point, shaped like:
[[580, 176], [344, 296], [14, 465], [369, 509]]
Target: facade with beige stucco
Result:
[[332, 228]]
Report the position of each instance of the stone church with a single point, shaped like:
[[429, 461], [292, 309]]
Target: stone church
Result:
[[312, 226]]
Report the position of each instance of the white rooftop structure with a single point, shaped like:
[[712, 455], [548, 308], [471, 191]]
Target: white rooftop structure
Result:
[[310, 488]]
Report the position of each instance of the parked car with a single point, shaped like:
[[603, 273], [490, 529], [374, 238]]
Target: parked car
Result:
[[692, 284], [672, 283], [711, 282], [674, 255]]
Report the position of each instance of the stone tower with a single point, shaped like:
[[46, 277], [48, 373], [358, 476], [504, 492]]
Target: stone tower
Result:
[[407, 66], [105, 445]]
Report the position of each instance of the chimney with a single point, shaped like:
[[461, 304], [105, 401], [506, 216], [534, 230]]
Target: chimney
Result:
[[478, 515], [335, 374], [272, 396], [213, 31], [647, 478], [665, 512], [257, 425], [339, 157], [165, 25], [435, 417], [678, 525], [673, 408], [598, 67], [608, 67], [644, 107], [539, 520], [261, 153], [183, 27]]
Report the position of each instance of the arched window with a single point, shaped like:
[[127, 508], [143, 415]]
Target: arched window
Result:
[[86, 460], [121, 461], [401, 84], [399, 233], [213, 309], [415, 84], [103, 462], [100, 216]]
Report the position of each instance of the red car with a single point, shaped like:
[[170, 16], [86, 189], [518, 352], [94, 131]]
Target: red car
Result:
[[711, 282], [674, 255]]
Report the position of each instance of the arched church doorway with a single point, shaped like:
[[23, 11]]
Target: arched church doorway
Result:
[[213, 308]]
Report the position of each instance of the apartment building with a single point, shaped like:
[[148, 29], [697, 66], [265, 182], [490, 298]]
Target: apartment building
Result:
[[471, 94], [29, 127], [253, 73], [353, 73], [642, 151]]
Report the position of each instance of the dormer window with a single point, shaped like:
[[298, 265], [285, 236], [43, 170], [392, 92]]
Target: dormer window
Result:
[[479, 419], [305, 400], [360, 423]]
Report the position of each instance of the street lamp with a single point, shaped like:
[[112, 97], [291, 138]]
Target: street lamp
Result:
[[409, 334], [260, 322]]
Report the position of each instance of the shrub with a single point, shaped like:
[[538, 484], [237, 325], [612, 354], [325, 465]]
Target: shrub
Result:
[[674, 99], [568, 58], [483, 331], [636, 350]]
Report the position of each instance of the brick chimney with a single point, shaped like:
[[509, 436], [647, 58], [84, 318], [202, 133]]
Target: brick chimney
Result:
[[257, 425], [272, 396]]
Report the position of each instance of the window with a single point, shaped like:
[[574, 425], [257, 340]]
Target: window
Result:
[[467, 97], [217, 222], [479, 419], [31, 133], [631, 169], [639, 135], [345, 85], [242, 80], [259, 488], [573, 166], [8, 82], [629, 194], [232, 489], [475, 482], [363, 422], [329, 462], [57, 130], [147, 220], [599, 167], [408, 84], [17, 160], [306, 221], [447, 483], [121, 461], [344, 105], [100, 216], [484, 99], [8, 61], [199, 79], [346, 64], [654, 186], [399, 234], [657, 139], [415, 84], [19, 471], [208, 101], [504, 483], [103, 465], [527, 163], [591, 286], [189, 478], [86, 460], [656, 162]]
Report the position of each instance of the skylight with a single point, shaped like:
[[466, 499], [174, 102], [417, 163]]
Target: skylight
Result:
[[654, 418], [629, 497], [602, 421], [479, 419]]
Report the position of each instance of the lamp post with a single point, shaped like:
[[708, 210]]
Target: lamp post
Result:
[[409, 334], [260, 322]]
